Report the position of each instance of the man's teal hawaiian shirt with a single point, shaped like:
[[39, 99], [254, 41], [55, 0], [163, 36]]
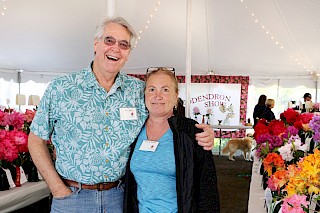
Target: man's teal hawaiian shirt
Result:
[[83, 122]]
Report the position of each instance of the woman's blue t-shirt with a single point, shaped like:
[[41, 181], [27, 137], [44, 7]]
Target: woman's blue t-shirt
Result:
[[155, 174]]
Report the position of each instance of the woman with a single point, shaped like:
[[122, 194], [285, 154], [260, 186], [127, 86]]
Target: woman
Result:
[[168, 171], [259, 109], [268, 114]]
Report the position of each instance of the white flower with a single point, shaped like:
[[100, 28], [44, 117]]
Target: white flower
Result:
[[294, 144], [230, 115], [222, 108], [286, 152], [298, 146], [230, 108]]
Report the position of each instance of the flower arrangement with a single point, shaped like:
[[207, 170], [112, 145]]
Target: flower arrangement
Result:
[[13, 139], [196, 111], [209, 112], [316, 107], [14, 131], [229, 112], [225, 109], [293, 174], [304, 184]]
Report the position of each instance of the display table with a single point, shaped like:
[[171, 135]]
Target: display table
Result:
[[19, 197], [257, 194], [229, 128]]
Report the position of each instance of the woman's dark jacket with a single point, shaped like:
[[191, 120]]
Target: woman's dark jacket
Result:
[[258, 112], [268, 115], [196, 180]]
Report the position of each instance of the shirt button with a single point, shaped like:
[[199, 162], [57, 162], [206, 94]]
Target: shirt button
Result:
[[107, 113], [106, 176], [107, 160], [107, 144], [106, 128]]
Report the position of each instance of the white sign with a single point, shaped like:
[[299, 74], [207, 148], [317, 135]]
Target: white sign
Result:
[[214, 102]]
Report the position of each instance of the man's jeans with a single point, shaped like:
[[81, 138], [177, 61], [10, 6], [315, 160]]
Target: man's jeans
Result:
[[90, 201]]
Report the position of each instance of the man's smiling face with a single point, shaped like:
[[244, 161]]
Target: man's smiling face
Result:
[[112, 58]]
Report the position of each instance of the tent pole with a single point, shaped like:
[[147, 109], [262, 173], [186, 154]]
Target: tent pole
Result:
[[188, 57], [316, 101], [19, 84], [111, 8]]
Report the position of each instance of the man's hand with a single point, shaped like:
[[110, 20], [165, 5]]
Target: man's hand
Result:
[[205, 138], [62, 192]]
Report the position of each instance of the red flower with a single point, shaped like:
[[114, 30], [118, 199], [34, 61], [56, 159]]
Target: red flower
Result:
[[303, 118], [8, 149], [306, 117], [260, 128], [13, 136], [277, 127], [289, 116]]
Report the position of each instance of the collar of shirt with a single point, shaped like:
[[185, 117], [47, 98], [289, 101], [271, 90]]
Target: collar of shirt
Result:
[[90, 80]]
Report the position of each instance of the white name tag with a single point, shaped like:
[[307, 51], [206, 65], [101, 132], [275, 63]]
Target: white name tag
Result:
[[128, 114], [149, 146]]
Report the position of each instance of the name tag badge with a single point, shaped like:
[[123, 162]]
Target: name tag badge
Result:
[[128, 114], [149, 146]]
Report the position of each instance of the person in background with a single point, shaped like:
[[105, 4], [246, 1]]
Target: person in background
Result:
[[259, 109], [307, 97], [92, 117], [268, 114], [307, 105], [168, 171], [180, 109]]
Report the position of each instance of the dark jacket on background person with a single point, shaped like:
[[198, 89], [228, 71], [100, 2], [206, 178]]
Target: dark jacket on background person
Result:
[[268, 114], [196, 180], [257, 113]]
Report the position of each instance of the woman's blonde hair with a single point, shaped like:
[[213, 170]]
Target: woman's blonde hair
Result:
[[269, 102], [165, 71]]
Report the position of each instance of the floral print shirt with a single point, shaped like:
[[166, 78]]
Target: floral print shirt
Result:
[[83, 122]]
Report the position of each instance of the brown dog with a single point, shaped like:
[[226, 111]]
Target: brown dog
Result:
[[244, 144]]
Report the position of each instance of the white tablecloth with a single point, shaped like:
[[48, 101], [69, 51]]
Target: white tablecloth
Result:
[[257, 194], [25, 195], [231, 127]]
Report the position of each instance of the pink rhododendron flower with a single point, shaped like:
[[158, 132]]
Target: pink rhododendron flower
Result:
[[20, 139], [196, 111], [294, 204], [29, 115]]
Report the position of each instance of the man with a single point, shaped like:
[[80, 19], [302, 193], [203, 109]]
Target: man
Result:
[[307, 105], [307, 97], [92, 117]]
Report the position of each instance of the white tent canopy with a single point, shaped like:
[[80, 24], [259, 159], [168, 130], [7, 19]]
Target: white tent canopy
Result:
[[261, 39]]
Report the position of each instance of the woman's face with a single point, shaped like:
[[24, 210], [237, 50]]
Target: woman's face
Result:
[[160, 95], [272, 105]]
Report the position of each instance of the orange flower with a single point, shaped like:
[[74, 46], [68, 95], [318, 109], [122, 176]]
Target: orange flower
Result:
[[277, 180], [273, 160]]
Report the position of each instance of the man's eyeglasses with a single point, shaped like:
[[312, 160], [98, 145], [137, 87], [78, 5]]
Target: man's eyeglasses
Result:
[[153, 69], [110, 41]]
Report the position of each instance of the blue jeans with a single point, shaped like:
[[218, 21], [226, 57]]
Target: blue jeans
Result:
[[87, 201]]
